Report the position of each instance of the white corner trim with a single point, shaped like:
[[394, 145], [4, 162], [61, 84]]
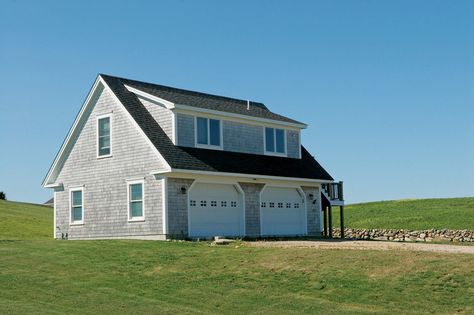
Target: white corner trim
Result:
[[148, 96], [130, 218], [164, 209], [54, 214]]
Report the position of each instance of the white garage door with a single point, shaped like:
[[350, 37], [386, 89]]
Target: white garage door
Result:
[[215, 210], [282, 212]]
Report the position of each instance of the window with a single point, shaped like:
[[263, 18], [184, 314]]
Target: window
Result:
[[297, 205], [103, 137], [233, 204], [213, 203], [208, 132], [264, 204], [288, 205], [223, 203], [77, 206], [203, 203], [275, 140], [280, 205], [135, 201], [192, 203], [271, 205]]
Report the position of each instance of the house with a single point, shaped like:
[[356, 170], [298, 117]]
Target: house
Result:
[[49, 203], [154, 162]]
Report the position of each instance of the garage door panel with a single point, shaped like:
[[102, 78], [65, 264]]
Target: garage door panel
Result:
[[215, 209], [282, 212]]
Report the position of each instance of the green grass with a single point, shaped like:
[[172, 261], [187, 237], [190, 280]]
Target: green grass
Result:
[[421, 214], [44, 276], [25, 221]]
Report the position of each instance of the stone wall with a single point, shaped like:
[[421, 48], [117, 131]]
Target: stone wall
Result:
[[399, 235]]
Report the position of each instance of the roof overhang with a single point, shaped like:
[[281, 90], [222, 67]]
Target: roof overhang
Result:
[[252, 177]]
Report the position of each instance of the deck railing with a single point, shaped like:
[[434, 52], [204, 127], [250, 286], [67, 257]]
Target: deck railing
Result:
[[334, 191]]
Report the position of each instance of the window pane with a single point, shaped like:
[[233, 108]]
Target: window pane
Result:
[[280, 140], [77, 198], [104, 136], [136, 192], [202, 130], [104, 145], [104, 126], [76, 213], [215, 131], [269, 138], [136, 209]]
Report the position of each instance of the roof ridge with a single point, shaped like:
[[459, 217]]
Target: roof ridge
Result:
[[196, 93]]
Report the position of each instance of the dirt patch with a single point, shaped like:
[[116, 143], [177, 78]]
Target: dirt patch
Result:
[[368, 245]]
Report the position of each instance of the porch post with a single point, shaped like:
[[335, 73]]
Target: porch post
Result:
[[330, 220], [342, 221], [325, 221]]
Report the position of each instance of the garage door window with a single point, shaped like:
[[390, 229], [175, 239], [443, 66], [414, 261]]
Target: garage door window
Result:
[[192, 203]]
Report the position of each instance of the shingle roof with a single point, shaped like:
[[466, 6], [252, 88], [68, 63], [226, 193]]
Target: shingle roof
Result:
[[212, 160], [206, 101]]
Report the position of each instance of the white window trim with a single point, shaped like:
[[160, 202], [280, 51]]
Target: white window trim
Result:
[[208, 146], [99, 117], [136, 219], [71, 190], [274, 142]]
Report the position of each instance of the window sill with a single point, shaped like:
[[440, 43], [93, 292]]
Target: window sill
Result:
[[208, 146], [76, 223], [99, 157], [136, 220], [276, 154]]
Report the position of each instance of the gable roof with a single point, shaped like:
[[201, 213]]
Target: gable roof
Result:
[[205, 101], [198, 159], [185, 158]]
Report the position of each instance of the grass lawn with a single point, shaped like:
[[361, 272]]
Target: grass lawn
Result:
[[115, 276], [421, 214], [25, 221]]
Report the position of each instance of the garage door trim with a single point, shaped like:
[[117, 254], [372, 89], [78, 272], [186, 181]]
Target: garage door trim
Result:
[[236, 186], [302, 195]]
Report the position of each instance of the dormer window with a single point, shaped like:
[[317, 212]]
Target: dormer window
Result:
[[275, 141], [208, 132]]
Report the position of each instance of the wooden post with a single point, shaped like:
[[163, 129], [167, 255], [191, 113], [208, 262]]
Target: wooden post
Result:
[[325, 221], [330, 220], [342, 221]]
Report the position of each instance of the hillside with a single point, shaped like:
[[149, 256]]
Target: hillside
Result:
[[25, 221], [39, 275], [417, 214]]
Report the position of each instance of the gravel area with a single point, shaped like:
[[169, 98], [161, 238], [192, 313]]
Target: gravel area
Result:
[[367, 245]]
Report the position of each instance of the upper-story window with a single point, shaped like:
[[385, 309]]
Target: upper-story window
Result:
[[104, 136], [208, 132], [275, 140]]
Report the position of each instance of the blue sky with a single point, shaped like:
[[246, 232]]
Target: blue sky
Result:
[[386, 87]]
